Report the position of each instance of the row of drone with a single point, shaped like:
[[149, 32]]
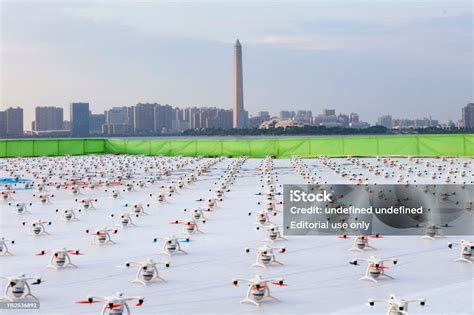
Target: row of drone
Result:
[[19, 287]]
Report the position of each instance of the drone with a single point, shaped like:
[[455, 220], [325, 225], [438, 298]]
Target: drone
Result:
[[102, 236], [3, 246], [18, 288], [270, 205], [467, 249], [433, 231], [124, 220], [189, 226], [87, 203], [375, 268], [60, 258], [68, 215], [139, 209], [147, 271], [172, 244], [76, 190], [262, 218], [21, 208], [361, 242], [265, 255], [115, 193], [198, 215], [273, 233], [258, 289], [113, 305], [396, 306], [7, 195], [37, 228], [44, 198]]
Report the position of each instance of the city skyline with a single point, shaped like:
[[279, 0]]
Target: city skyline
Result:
[[308, 55]]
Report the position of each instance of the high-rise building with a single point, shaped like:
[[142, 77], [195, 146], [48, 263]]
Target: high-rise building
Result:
[[14, 119], [3, 123], [96, 121], [285, 114], [144, 118], [48, 118], [79, 113], [385, 121], [239, 115], [468, 116]]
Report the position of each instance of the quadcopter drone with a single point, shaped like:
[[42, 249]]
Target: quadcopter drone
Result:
[[361, 242], [265, 255], [3, 246], [375, 268], [60, 258], [37, 228], [18, 288], [467, 249], [189, 226], [262, 218], [258, 289], [87, 204], [21, 208], [273, 233], [44, 198], [113, 305], [102, 236], [198, 215], [124, 220], [147, 271], [396, 306], [7, 195], [68, 215], [171, 244]]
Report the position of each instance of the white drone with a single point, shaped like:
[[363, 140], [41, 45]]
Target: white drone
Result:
[[262, 218], [102, 236], [124, 220], [21, 208], [266, 255], [115, 193], [197, 214], [172, 244], [432, 231], [396, 306], [44, 198], [258, 289], [273, 233], [147, 271], [18, 288], [60, 258], [87, 204], [3, 246], [361, 242], [375, 268], [190, 226], [7, 195], [37, 228], [68, 215], [467, 249], [113, 305], [139, 209]]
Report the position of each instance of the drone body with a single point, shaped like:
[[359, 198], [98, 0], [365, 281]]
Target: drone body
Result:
[[258, 289], [18, 288]]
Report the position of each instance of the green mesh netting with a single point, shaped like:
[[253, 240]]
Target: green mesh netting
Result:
[[425, 145]]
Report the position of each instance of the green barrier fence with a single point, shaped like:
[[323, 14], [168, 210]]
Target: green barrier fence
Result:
[[423, 145]]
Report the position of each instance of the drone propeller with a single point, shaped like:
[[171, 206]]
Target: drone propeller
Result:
[[87, 302], [279, 283]]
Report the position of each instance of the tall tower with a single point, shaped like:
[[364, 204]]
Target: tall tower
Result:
[[239, 120]]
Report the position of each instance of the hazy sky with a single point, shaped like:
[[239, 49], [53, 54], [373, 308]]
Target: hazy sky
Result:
[[405, 58]]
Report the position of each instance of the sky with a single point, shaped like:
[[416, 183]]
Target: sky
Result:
[[405, 58]]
